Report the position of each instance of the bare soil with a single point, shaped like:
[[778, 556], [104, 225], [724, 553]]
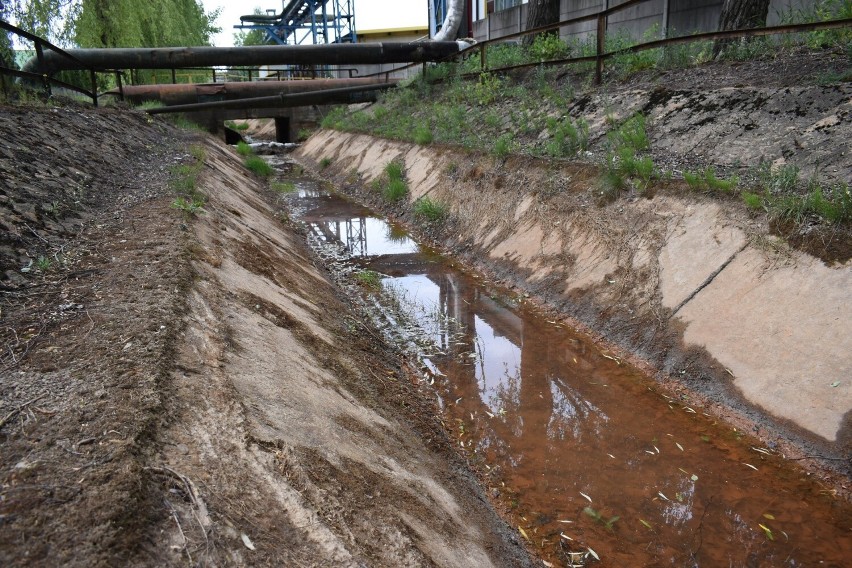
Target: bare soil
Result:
[[181, 389]]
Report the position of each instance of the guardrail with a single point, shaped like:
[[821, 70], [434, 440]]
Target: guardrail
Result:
[[601, 55], [46, 80]]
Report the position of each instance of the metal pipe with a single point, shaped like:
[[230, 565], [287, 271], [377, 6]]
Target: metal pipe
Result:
[[349, 95], [178, 57]]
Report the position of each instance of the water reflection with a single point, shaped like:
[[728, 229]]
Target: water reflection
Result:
[[642, 479]]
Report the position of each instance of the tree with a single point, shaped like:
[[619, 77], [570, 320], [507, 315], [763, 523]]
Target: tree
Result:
[[540, 13], [740, 14], [251, 37], [450, 27]]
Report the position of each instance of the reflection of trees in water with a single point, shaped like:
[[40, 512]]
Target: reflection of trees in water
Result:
[[573, 414], [505, 399]]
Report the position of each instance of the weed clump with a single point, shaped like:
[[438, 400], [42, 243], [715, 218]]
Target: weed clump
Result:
[[429, 209], [258, 166], [244, 149], [369, 279], [324, 163]]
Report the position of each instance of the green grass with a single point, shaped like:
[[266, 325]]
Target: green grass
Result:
[[567, 137], [395, 190], [258, 166], [394, 171], [244, 149], [422, 135], [283, 186], [188, 206], [369, 279], [707, 180], [429, 209], [184, 177], [503, 146], [236, 126], [148, 105], [324, 163]]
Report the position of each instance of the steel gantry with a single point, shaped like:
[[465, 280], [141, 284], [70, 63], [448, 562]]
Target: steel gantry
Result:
[[300, 21]]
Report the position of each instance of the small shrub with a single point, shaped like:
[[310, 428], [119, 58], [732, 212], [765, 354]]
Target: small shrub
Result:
[[707, 181], [631, 133], [324, 163], [693, 180], [148, 105], [258, 166], [395, 190], [548, 46], [422, 135], [334, 119], [188, 206], [43, 263], [244, 149], [430, 209], [394, 171], [304, 134], [568, 138], [752, 200], [503, 146]]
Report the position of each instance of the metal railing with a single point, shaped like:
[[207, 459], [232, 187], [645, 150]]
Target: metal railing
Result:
[[601, 55], [46, 80]]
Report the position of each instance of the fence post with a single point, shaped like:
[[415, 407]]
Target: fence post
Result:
[[44, 77], [600, 49], [214, 74], [118, 75], [94, 78], [483, 59], [249, 75]]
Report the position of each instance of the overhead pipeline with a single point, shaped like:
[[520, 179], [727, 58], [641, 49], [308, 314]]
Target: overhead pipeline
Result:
[[179, 57]]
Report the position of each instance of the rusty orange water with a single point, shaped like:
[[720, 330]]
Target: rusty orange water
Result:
[[583, 449]]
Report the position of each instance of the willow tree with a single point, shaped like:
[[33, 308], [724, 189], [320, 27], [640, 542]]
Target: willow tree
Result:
[[540, 13], [740, 14], [130, 23]]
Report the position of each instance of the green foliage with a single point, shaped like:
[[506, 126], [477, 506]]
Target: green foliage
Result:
[[369, 279], [821, 11], [43, 263], [548, 46], [706, 180], [244, 149], [239, 126], [258, 166], [324, 163], [304, 134], [429, 209], [422, 135], [283, 186], [148, 105], [503, 145], [128, 23], [608, 523], [395, 190], [394, 171], [188, 206], [567, 138], [334, 119], [752, 200], [248, 38], [631, 133]]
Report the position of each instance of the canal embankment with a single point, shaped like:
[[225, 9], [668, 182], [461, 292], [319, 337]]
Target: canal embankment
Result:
[[695, 287]]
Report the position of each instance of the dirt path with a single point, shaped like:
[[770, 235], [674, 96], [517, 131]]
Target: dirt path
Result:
[[190, 389]]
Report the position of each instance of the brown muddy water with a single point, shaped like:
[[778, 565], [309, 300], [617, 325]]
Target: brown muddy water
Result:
[[587, 455]]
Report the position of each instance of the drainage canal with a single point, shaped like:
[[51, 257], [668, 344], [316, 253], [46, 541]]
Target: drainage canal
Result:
[[586, 455]]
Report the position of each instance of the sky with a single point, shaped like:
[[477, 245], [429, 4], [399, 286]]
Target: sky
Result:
[[369, 14]]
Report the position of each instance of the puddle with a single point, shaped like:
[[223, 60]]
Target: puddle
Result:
[[582, 449]]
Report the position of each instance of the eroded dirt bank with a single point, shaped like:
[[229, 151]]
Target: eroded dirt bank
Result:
[[190, 388], [696, 287]]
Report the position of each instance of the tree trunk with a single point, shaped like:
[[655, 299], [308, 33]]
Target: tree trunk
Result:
[[740, 14], [541, 13], [450, 28]]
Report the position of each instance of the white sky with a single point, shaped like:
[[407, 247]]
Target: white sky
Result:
[[369, 14]]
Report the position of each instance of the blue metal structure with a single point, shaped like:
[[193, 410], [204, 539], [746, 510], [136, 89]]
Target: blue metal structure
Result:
[[319, 21]]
